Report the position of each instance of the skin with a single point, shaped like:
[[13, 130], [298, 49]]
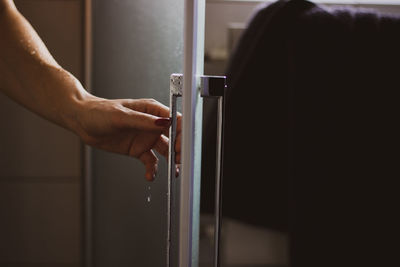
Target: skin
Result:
[[30, 76]]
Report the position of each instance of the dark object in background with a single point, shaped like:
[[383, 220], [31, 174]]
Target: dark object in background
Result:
[[311, 137]]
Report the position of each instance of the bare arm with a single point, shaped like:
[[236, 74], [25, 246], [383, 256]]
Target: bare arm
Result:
[[30, 76]]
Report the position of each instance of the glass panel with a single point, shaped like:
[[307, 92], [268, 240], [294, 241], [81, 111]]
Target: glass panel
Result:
[[136, 46], [243, 242]]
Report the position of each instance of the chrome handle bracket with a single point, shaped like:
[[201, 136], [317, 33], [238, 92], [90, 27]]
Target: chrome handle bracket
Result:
[[176, 84], [212, 86]]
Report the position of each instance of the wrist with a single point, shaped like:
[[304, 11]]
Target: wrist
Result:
[[75, 105]]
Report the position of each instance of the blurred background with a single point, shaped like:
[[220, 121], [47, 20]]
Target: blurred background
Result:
[[59, 209]]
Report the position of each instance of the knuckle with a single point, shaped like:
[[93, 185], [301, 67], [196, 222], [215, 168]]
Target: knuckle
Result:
[[150, 100]]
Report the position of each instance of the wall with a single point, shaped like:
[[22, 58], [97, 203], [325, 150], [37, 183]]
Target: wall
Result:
[[40, 163]]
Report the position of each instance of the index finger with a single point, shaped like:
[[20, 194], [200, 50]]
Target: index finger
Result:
[[147, 105]]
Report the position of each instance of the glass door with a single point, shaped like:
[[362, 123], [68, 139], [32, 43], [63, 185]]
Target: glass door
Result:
[[136, 45]]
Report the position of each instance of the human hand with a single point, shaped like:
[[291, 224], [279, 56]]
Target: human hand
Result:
[[133, 127], [35, 80]]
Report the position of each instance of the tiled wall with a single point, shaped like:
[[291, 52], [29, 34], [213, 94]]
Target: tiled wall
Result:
[[40, 163]]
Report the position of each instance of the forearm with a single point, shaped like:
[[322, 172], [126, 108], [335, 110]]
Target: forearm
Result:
[[30, 75]]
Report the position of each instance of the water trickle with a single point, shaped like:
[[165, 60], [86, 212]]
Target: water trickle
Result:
[[148, 198]]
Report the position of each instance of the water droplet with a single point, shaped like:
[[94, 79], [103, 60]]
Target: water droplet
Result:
[[148, 198]]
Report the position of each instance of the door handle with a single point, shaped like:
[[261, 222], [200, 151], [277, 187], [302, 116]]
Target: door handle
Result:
[[176, 85], [210, 86], [215, 86]]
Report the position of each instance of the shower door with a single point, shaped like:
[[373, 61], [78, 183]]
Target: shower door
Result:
[[135, 46]]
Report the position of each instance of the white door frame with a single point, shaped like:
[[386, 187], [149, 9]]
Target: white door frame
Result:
[[189, 218]]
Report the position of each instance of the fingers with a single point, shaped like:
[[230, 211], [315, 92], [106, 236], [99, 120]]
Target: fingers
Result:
[[143, 119], [149, 106], [150, 161], [161, 146], [150, 115], [178, 140], [131, 119], [158, 112], [178, 126]]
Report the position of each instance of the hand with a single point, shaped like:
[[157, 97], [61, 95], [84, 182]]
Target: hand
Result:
[[31, 77], [126, 126]]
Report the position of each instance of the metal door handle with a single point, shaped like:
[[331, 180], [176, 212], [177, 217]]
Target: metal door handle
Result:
[[215, 86], [176, 84], [210, 86]]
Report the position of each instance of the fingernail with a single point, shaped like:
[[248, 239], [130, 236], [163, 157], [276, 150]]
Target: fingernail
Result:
[[163, 122]]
